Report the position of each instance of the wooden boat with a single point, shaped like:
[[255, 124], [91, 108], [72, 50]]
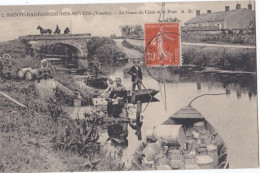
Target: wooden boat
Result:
[[99, 83], [144, 95], [132, 97], [186, 117]]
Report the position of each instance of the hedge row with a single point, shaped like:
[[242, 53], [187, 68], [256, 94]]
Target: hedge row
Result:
[[244, 39], [222, 58]]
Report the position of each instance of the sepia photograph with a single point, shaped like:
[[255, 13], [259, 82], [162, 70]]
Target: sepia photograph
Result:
[[128, 86]]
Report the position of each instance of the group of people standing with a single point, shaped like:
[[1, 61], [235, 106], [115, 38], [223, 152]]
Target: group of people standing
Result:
[[115, 83], [116, 91], [116, 95]]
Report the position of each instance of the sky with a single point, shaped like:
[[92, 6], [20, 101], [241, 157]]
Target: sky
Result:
[[99, 25]]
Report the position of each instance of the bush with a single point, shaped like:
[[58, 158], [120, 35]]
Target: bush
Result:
[[16, 48], [106, 51], [222, 58], [79, 136]]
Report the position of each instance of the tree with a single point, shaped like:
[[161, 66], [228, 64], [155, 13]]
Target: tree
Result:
[[125, 30], [138, 30], [128, 30]]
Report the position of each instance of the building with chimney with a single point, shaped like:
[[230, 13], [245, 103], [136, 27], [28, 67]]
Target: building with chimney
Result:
[[235, 20]]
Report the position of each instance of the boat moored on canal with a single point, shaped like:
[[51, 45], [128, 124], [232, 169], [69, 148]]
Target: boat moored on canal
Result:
[[186, 140]]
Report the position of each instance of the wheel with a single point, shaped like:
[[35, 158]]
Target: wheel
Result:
[[28, 76]]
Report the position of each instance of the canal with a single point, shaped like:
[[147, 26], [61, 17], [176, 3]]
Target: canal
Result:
[[234, 116]]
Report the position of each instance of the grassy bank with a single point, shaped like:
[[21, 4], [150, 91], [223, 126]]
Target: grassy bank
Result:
[[25, 133], [43, 137], [16, 48]]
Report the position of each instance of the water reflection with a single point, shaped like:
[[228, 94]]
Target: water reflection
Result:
[[232, 82], [182, 86]]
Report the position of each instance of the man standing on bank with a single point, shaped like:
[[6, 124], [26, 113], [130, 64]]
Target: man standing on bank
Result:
[[137, 75], [95, 66]]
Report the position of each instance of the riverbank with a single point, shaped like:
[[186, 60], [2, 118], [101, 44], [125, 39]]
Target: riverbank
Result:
[[26, 133], [44, 138], [223, 58]]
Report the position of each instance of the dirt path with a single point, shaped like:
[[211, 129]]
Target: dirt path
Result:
[[141, 43], [219, 45], [130, 53]]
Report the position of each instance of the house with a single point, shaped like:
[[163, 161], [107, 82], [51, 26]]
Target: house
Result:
[[238, 19]]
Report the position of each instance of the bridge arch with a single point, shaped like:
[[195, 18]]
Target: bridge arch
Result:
[[80, 45], [76, 42], [61, 49]]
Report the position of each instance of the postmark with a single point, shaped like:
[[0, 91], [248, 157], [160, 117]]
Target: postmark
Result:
[[163, 44]]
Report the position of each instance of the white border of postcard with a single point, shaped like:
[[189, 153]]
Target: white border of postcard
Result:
[[257, 6]]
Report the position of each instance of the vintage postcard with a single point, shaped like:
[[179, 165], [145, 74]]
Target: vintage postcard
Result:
[[129, 86]]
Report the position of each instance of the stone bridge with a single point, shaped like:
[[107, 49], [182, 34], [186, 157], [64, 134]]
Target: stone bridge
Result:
[[77, 41]]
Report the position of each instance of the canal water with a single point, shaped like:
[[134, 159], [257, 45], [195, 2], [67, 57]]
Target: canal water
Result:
[[234, 116]]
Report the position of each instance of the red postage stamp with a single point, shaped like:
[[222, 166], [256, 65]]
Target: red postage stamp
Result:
[[163, 44]]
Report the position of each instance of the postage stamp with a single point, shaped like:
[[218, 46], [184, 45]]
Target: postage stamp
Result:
[[163, 44]]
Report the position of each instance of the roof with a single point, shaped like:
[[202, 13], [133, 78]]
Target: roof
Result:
[[240, 20], [187, 112], [211, 17]]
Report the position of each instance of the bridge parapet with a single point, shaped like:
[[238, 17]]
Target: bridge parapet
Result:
[[55, 37], [78, 41]]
